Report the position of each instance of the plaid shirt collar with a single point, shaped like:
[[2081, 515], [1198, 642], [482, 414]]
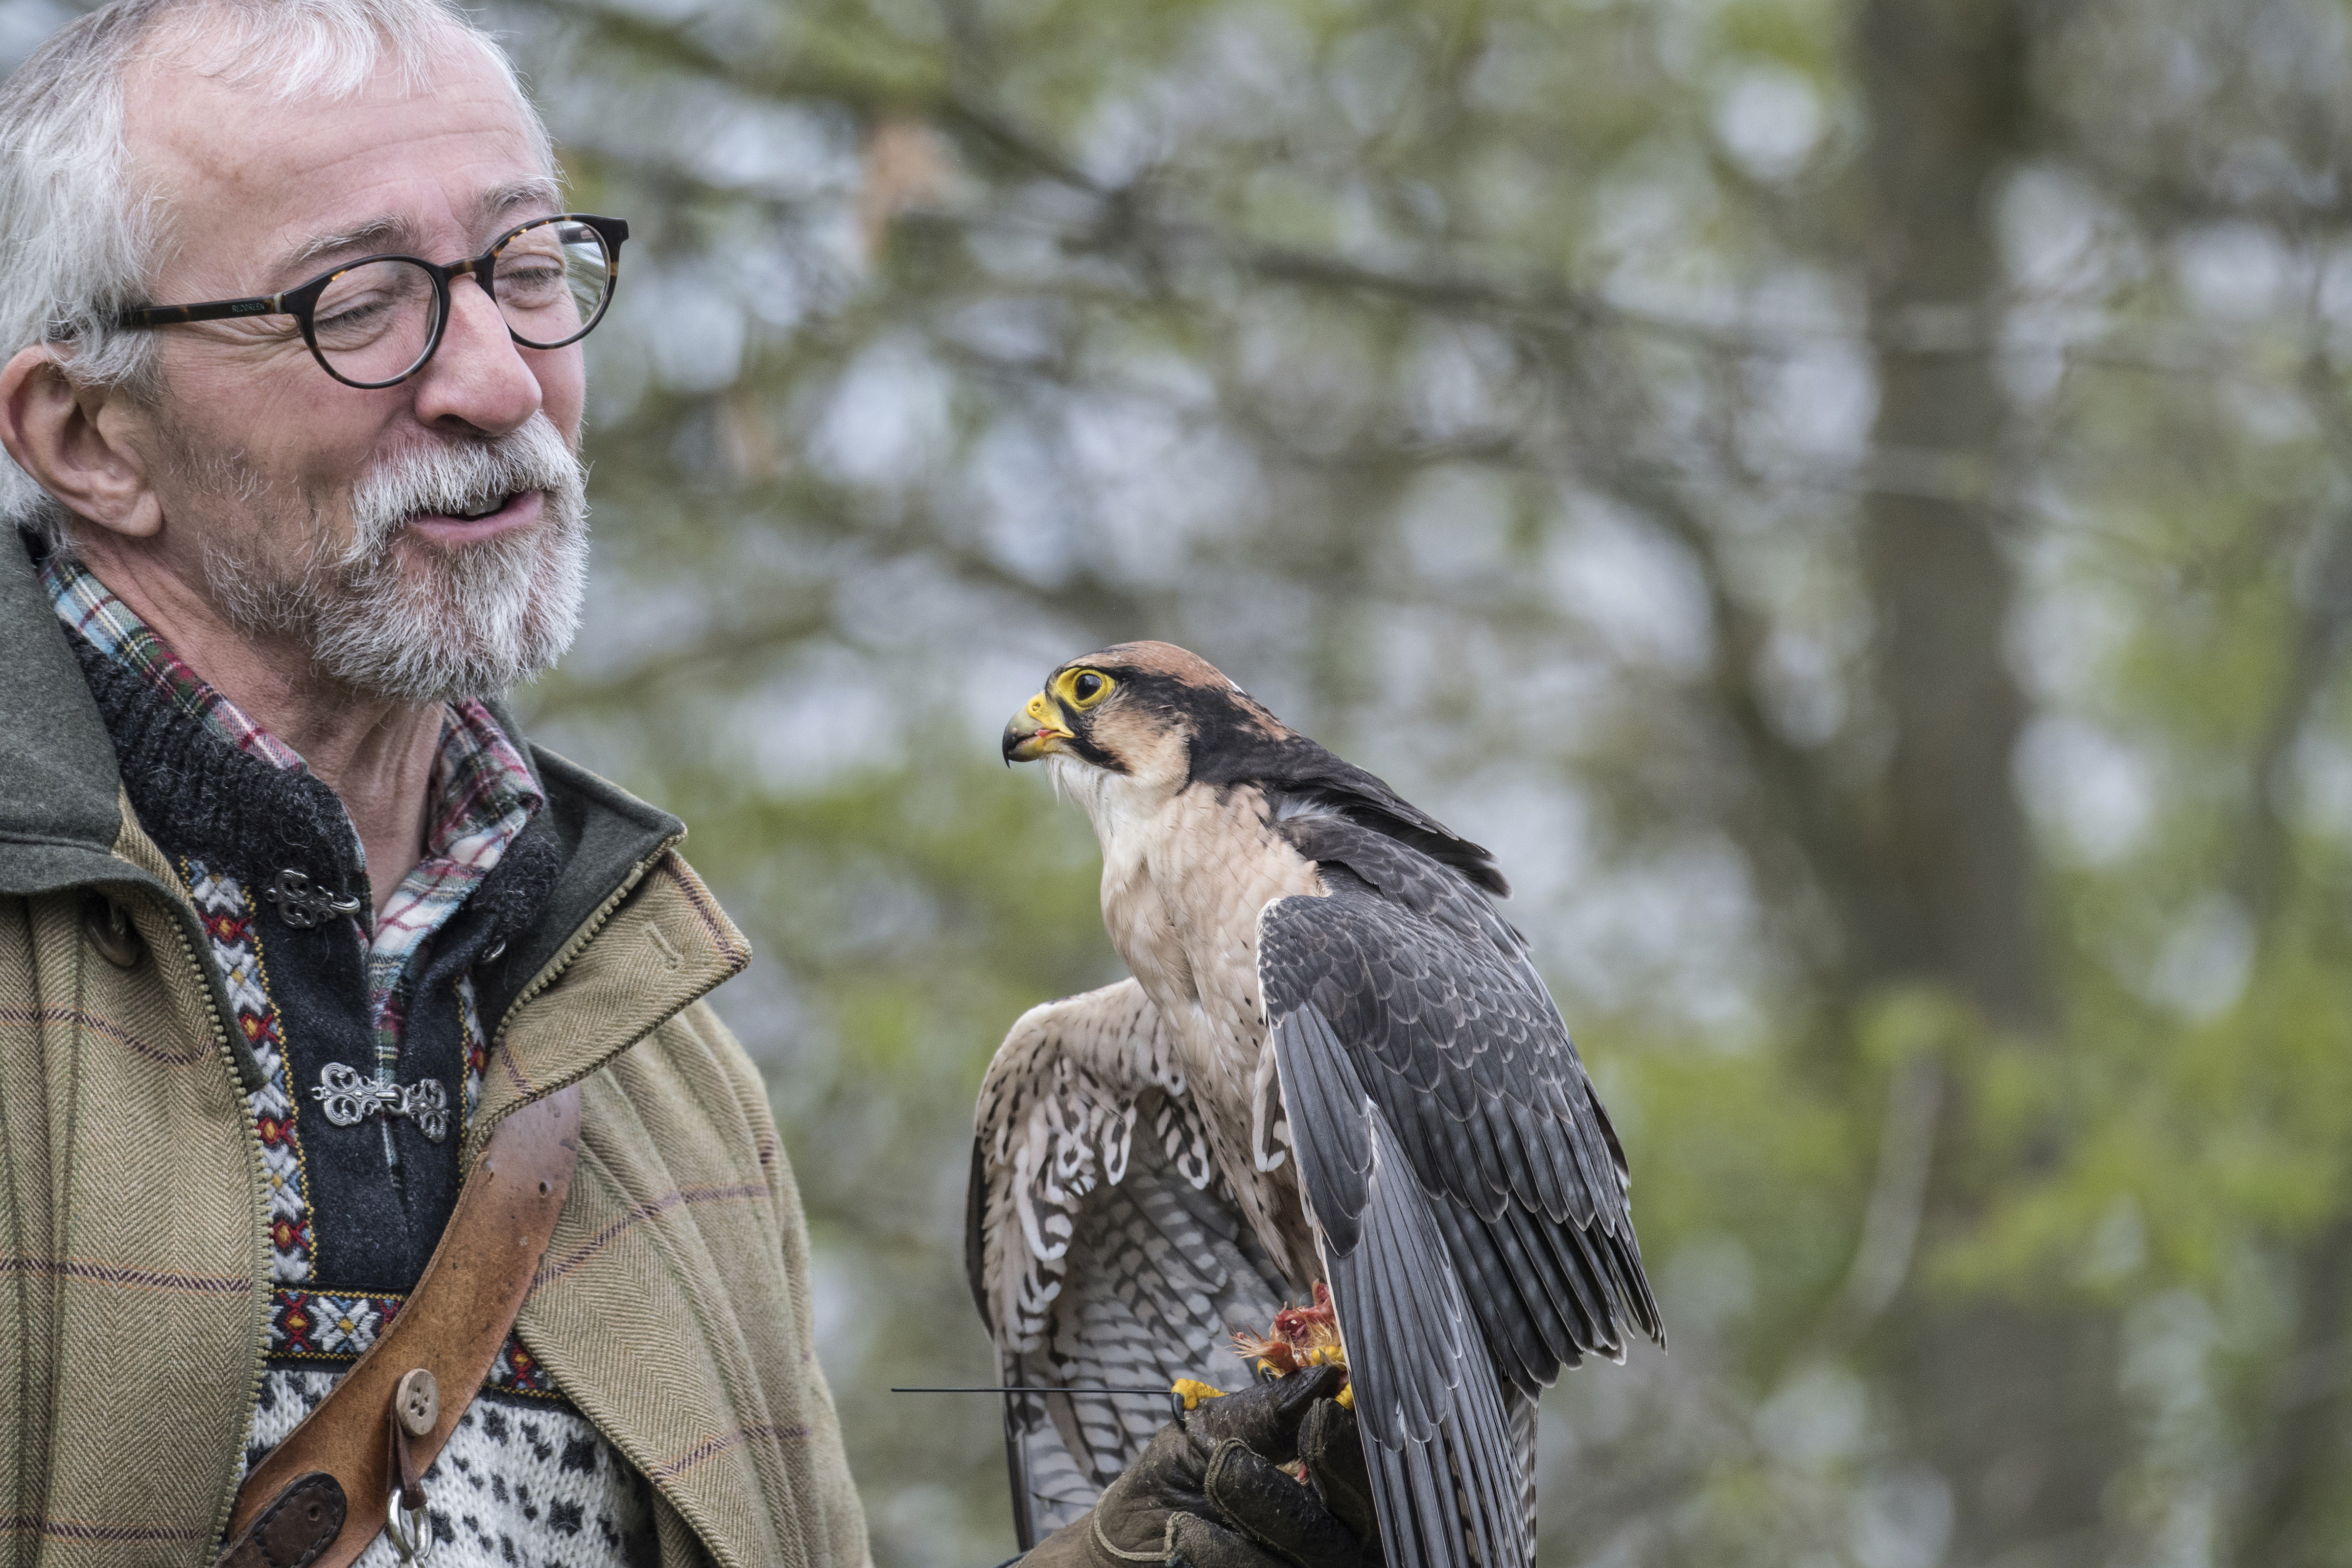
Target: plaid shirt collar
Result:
[[480, 792], [114, 628]]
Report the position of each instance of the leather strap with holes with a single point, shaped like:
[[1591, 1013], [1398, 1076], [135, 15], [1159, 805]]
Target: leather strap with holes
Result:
[[452, 1326]]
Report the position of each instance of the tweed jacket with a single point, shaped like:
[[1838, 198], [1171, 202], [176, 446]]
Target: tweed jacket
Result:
[[672, 1306]]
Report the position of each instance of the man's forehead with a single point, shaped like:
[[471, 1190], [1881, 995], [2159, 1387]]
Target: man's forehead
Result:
[[308, 174]]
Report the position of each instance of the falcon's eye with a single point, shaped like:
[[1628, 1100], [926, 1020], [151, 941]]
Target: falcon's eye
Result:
[[1084, 688]]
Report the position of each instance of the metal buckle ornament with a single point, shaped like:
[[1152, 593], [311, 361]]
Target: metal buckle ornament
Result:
[[410, 1528], [349, 1099], [303, 905]]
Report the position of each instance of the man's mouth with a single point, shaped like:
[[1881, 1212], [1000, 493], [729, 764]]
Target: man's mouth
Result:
[[494, 505], [478, 518]]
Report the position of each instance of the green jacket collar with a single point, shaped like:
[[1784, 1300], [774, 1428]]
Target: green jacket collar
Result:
[[60, 806]]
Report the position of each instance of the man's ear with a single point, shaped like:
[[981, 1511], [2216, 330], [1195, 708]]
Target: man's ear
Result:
[[75, 442]]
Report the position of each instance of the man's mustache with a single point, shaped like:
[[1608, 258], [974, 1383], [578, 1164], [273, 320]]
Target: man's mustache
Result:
[[451, 478]]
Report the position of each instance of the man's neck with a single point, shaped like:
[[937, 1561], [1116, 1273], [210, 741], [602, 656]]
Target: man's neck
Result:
[[375, 752]]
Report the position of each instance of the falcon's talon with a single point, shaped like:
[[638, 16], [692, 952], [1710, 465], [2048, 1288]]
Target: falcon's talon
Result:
[[1301, 1338], [1193, 1392]]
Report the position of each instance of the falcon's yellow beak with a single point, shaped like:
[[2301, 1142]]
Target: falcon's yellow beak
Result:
[[1033, 731]]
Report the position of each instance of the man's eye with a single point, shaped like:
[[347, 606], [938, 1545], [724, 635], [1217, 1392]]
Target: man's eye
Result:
[[354, 321], [354, 311], [366, 303], [534, 281]]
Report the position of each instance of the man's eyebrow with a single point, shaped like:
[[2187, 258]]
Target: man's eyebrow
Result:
[[397, 234], [537, 192], [381, 234]]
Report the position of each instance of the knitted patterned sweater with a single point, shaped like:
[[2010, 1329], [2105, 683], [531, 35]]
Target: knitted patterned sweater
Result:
[[339, 1005]]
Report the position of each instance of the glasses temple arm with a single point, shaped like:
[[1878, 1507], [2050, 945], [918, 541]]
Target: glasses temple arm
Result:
[[210, 311]]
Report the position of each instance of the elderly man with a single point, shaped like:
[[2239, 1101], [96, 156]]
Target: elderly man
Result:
[[333, 1014], [292, 919]]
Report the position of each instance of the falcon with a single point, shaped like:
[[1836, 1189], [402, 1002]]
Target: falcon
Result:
[[1332, 1063]]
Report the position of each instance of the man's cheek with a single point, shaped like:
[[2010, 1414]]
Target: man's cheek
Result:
[[563, 388]]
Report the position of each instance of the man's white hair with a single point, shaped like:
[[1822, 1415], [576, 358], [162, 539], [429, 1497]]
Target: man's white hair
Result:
[[78, 226]]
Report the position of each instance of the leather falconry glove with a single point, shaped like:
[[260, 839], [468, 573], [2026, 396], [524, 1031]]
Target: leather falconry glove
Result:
[[1209, 1493]]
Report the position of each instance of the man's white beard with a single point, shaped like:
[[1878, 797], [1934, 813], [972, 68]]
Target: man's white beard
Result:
[[448, 623]]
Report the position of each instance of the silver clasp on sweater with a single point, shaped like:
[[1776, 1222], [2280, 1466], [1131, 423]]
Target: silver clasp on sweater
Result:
[[349, 1100], [301, 905]]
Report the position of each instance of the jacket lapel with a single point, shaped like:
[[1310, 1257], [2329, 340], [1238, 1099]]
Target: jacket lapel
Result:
[[654, 945]]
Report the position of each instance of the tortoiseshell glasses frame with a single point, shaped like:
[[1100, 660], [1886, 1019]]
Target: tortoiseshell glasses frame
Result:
[[377, 311]]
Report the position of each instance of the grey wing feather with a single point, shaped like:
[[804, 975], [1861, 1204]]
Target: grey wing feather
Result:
[[1103, 1249], [1431, 995], [1446, 1479], [1520, 1415]]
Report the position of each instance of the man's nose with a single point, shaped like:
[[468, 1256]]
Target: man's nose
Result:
[[478, 377]]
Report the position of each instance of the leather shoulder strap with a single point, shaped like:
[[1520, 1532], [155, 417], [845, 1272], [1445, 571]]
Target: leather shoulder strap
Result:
[[452, 1326]]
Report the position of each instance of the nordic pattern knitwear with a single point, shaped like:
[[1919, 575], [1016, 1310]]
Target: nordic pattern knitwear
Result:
[[519, 1483], [480, 792], [525, 1482], [310, 1324], [674, 1306]]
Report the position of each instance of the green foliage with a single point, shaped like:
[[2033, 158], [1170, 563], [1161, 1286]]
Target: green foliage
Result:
[[1488, 386]]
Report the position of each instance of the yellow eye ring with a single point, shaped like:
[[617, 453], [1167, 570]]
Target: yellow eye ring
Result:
[[1083, 688]]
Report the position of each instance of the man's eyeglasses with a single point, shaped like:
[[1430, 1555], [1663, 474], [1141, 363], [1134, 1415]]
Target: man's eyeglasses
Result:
[[376, 321]]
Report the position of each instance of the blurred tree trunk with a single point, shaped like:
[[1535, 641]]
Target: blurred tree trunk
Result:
[[2016, 1405], [2294, 1515], [1946, 94]]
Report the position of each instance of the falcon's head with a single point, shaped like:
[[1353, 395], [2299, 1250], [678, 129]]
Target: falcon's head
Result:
[[1142, 721], [1144, 710]]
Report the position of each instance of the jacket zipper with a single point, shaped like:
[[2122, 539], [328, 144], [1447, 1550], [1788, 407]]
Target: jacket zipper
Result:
[[476, 1137], [258, 1180]]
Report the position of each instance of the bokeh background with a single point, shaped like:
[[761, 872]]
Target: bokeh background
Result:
[[1852, 498]]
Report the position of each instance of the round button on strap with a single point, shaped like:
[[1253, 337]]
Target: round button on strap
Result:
[[417, 1402]]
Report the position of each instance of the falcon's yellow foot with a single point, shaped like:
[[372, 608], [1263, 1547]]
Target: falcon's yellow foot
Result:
[[1193, 1391], [1302, 1336]]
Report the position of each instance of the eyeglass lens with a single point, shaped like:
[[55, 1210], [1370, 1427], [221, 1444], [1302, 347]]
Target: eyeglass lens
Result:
[[374, 323]]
